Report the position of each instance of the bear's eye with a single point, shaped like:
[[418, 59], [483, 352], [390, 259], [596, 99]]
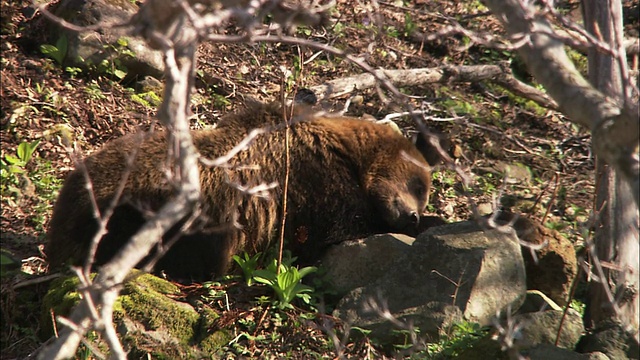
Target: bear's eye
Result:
[[417, 187]]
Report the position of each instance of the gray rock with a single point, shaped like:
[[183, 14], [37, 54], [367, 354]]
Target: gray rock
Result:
[[542, 328], [357, 263], [94, 46], [596, 356], [550, 352], [487, 348], [610, 338], [554, 265], [535, 338], [450, 273]]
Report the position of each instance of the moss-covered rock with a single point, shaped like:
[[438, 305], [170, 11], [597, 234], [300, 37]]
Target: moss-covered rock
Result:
[[148, 318], [62, 296], [111, 50]]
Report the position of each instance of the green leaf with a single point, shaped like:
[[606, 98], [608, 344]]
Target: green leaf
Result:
[[265, 276], [12, 160], [16, 169], [56, 52], [361, 330], [6, 260], [119, 73], [62, 44], [25, 150], [48, 49], [287, 282], [302, 288], [248, 266], [307, 270]]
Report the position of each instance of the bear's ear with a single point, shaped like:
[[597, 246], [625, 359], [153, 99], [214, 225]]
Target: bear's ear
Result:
[[305, 96], [425, 144]]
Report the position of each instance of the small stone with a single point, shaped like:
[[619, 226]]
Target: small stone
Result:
[[32, 64], [448, 209], [485, 209]]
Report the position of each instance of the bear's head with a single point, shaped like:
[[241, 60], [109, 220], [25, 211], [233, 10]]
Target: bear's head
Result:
[[398, 185]]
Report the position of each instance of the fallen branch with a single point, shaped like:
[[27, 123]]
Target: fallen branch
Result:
[[499, 74]]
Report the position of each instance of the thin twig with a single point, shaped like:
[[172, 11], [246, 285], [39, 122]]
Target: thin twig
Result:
[[285, 186], [572, 290], [553, 198]]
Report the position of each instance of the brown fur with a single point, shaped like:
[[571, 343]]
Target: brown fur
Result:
[[347, 179]]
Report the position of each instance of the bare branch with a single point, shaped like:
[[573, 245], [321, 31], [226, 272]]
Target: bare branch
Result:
[[178, 43]]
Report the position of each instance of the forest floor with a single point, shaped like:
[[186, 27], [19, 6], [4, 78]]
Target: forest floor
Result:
[[493, 128]]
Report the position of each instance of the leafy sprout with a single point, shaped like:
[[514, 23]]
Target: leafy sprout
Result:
[[286, 282]]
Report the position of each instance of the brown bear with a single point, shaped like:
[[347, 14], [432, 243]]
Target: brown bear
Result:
[[348, 178]]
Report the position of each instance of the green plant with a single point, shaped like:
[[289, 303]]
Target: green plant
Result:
[[445, 177], [555, 225], [460, 336], [486, 184], [263, 300], [58, 51], [51, 101], [73, 71], [214, 291], [460, 107], [248, 264], [409, 25], [406, 335], [285, 280], [148, 99], [338, 29], [113, 65], [578, 306], [303, 30], [493, 55], [24, 154], [94, 91], [18, 179], [86, 351], [220, 102], [445, 182], [45, 179], [297, 68], [392, 31], [13, 168]]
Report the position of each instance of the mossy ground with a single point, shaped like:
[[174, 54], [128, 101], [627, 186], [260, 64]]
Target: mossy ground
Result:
[[150, 315]]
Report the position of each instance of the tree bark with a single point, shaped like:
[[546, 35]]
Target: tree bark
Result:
[[616, 237]]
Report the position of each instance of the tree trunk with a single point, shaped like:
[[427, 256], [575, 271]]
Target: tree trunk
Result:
[[616, 236]]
